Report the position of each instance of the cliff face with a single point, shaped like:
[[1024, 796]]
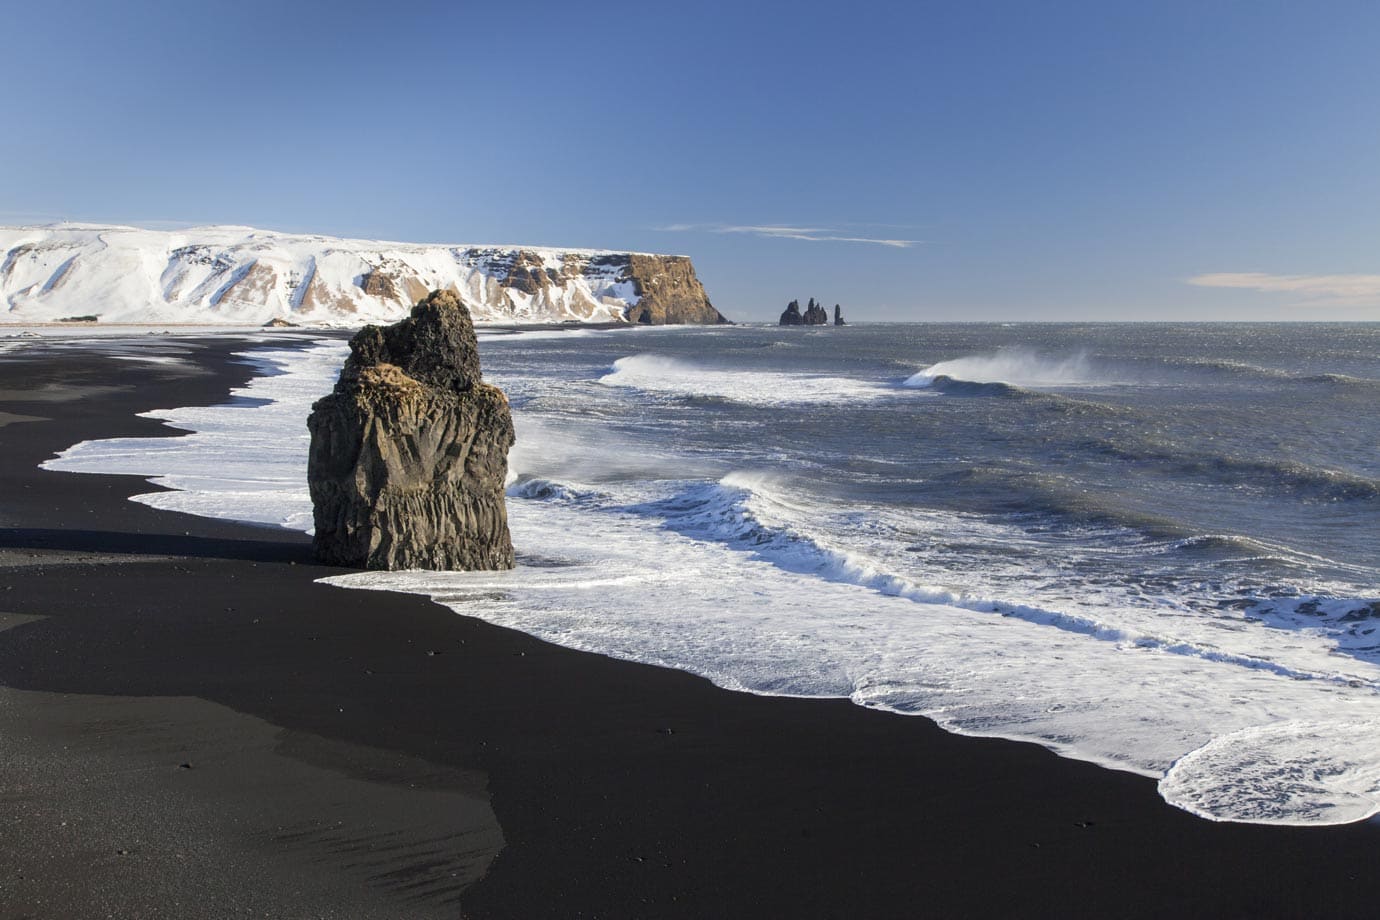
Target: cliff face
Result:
[[246, 276], [410, 452], [668, 292]]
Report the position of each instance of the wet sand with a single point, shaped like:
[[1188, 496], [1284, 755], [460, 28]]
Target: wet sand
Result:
[[192, 727]]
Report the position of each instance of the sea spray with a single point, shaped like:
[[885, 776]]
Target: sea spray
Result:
[[1015, 366]]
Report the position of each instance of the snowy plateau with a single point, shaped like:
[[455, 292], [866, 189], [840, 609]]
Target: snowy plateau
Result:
[[243, 276]]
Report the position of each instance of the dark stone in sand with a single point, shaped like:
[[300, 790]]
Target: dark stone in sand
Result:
[[410, 452]]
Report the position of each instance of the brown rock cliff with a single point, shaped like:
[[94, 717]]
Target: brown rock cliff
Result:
[[668, 292]]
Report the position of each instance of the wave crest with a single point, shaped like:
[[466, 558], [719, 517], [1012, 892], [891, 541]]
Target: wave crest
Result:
[[748, 512], [1280, 476]]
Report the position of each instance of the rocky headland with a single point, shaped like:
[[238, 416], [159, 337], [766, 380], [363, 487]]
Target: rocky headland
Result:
[[409, 453], [668, 292], [246, 276]]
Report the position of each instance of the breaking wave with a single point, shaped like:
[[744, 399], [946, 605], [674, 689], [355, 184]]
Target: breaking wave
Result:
[[951, 386], [1026, 368], [744, 512]]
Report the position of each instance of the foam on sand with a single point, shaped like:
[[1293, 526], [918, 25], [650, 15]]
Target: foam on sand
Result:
[[245, 460], [1293, 772]]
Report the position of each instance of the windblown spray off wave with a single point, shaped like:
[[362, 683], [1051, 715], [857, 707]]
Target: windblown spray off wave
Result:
[[1015, 366], [987, 563]]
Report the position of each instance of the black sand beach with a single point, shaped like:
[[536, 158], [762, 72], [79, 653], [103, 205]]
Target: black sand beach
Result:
[[193, 728]]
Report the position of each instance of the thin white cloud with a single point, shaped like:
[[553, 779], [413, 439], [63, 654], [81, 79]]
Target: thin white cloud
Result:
[[777, 232], [1316, 290], [790, 233]]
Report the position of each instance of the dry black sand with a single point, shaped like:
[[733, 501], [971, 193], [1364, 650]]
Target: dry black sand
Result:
[[191, 727]]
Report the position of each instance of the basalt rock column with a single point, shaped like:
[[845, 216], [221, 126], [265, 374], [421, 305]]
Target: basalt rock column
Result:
[[410, 452]]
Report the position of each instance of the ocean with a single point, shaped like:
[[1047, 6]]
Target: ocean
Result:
[[1152, 547]]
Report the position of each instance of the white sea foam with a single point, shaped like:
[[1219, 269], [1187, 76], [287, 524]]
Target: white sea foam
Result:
[[761, 588], [749, 512], [664, 376]]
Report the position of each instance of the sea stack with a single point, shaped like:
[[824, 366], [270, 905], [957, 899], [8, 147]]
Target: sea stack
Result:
[[814, 315], [838, 316], [791, 315], [409, 453]]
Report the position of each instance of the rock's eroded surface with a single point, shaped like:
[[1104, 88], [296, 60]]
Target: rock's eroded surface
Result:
[[668, 292], [410, 452]]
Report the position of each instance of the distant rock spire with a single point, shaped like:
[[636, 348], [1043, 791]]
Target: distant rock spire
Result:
[[838, 316], [815, 314]]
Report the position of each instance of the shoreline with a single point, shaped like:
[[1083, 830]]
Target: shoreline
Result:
[[617, 789], [239, 329]]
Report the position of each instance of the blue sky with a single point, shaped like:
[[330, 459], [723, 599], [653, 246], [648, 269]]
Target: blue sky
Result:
[[912, 161]]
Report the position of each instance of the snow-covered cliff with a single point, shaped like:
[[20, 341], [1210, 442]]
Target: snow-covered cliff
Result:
[[245, 276]]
